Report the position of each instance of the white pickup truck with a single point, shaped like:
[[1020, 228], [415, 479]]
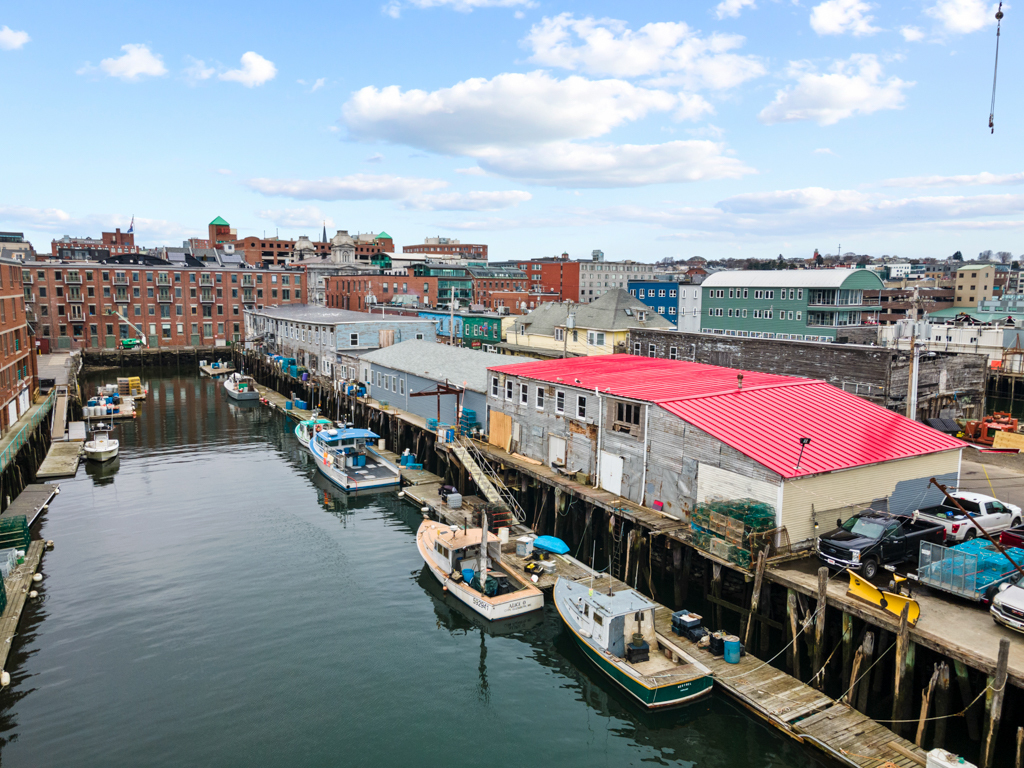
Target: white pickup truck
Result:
[[991, 514]]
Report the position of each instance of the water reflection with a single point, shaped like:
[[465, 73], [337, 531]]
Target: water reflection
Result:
[[103, 473]]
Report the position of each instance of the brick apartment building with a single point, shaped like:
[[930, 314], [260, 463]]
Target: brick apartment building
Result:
[[446, 246], [174, 305], [18, 371], [557, 277], [273, 251], [87, 248], [419, 286]]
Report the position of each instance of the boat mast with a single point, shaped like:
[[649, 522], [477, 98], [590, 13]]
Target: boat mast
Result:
[[483, 549]]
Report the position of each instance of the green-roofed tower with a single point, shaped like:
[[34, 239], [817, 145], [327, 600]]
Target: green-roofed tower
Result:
[[219, 222], [384, 236]]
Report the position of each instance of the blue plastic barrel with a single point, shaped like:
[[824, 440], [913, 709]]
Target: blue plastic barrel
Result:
[[732, 649], [467, 575], [287, 405]]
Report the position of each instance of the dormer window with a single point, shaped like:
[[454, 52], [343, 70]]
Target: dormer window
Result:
[[641, 316]]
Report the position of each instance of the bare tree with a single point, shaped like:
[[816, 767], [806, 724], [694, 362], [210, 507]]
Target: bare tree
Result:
[[1005, 257], [985, 255]]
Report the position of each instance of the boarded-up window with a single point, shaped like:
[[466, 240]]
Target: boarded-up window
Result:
[[500, 432]]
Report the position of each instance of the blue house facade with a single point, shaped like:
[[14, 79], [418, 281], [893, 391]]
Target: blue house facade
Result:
[[662, 296]]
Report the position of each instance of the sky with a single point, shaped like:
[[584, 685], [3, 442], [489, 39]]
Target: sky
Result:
[[731, 129]]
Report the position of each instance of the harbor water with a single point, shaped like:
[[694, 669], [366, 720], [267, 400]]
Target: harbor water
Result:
[[211, 601]]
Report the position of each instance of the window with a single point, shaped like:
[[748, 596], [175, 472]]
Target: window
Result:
[[758, 294], [671, 310], [627, 418], [540, 398], [524, 394], [757, 314], [559, 334], [394, 383], [718, 312], [744, 313], [636, 346], [790, 315], [581, 407], [729, 312], [387, 380], [673, 353], [672, 293], [769, 294], [661, 293], [731, 293], [643, 294], [378, 378], [800, 293], [652, 350], [595, 338], [401, 386], [353, 339], [559, 402], [494, 386], [508, 389], [792, 294]]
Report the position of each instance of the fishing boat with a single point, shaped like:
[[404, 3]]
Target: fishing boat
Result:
[[100, 447], [241, 387], [305, 430], [473, 572], [347, 458], [616, 632]]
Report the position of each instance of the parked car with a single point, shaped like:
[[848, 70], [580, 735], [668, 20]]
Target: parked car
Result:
[[1008, 605], [869, 540], [991, 514]]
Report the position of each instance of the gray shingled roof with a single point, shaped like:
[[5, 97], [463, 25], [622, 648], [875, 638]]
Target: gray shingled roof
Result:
[[607, 313], [437, 362]]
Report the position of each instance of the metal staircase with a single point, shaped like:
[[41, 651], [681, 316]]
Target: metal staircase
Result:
[[486, 478]]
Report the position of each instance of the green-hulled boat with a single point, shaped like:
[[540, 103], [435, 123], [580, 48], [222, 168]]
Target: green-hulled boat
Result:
[[616, 632]]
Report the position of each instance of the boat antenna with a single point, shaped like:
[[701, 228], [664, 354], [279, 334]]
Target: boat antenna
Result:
[[995, 71]]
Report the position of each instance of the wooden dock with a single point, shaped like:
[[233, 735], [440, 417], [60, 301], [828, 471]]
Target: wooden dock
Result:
[[278, 400], [61, 460], [32, 501], [213, 373], [18, 585]]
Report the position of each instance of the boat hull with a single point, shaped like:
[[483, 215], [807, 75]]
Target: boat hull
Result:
[[100, 455], [656, 697], [492, 610], [236, 395], [353, 481]]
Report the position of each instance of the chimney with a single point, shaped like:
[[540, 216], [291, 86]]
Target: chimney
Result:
[[739, 381]]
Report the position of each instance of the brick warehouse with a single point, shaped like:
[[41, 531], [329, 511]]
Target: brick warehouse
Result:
[[174, 305], [18, 372]]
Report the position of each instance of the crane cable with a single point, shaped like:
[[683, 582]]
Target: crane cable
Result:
[[995, 71]]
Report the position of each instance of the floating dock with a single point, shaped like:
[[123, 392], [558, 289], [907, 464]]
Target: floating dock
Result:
[[18, 585], [32, 501], [223, 370], [61, 460]]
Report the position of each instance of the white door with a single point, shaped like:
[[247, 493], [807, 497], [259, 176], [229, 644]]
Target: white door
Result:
[[12, 412], [556, 450], [611, 473]]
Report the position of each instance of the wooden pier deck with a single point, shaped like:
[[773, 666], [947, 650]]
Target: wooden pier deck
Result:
[[32, 501], [18, 584], [277, 400], [61, 460], [213, 373]]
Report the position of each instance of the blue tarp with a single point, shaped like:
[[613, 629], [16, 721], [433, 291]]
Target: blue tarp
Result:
[[348, 434], [551, 544]]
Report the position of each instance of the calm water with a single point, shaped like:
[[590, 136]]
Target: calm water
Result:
[[212, 603]]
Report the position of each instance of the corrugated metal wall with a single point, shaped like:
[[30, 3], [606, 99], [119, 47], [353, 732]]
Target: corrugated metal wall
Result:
[[843, 493], [422, 406]]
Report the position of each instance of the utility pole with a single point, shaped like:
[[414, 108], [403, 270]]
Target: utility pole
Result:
[[451, 317], [915, 359]]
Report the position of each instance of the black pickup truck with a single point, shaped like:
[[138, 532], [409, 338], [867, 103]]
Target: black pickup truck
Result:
[[870, 540]]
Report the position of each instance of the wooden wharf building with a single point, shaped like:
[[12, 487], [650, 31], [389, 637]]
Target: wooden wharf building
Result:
[[856, 655]]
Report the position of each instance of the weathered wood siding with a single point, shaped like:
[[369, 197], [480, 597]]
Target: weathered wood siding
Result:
[[902, 483]]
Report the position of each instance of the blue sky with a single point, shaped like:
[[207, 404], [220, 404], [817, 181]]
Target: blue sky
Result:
[[722, 129]]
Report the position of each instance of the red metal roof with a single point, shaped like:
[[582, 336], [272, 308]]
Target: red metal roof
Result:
[[764, 419]]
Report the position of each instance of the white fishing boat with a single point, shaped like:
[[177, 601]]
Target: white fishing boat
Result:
[[305, 429], [347, 458], [241, 387], [617, 633], [473, 572], [101, 447]]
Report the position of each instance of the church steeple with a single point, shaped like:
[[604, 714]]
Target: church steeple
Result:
[[324, 240]]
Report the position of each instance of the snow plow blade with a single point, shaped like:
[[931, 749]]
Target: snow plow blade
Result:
[[892, 603]]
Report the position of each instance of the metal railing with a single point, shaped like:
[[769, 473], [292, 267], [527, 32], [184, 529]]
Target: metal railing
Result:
[[489, 471], [8, 453]]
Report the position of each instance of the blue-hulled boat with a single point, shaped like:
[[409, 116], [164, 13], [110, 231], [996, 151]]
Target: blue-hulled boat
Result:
[[305, 430], [346, 458]]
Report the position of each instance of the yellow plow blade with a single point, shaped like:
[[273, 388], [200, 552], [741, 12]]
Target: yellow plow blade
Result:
[[887, 600]]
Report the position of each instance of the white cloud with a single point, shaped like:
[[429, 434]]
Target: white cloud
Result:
[[357, 186], [469, 201], [816, 209], [836, 17], [320, 82], [609, 47], [963, 16], [377, 157], [197, 71], [310, 216], [137, 61], [825, 151], [12, 39], [56, 223], [567, 164], [507, 110], [692, 107], [854, 86], [968, 180], [255, 70], [912, 34], [732, 8], [473, 171]]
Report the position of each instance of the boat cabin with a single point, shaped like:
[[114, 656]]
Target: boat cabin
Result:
[[612, 621], [347, 441], [457, 552]]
